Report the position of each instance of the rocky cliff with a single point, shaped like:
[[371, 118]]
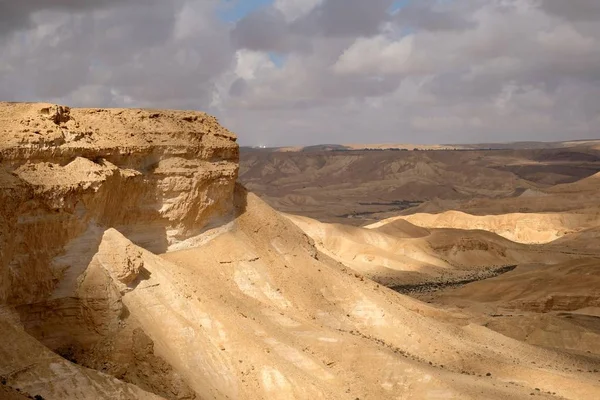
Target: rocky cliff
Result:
[[67, 174]]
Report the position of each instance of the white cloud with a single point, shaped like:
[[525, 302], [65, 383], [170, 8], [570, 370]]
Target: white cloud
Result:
[[376, 56], [250, 63]]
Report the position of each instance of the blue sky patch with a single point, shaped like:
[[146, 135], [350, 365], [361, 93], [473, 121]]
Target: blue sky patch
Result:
[[235, 10], [397, 6], [277, 58]]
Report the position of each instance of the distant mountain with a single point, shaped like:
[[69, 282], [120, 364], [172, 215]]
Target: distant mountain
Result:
[[592, 143], [362, 186]]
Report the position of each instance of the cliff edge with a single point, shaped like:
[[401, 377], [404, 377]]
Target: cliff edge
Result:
[[66, 175]]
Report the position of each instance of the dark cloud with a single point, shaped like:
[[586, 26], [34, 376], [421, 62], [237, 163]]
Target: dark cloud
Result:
[[237, 87], [16, 14], [266, 30], [346, 18], [584, 10], [430, 16]]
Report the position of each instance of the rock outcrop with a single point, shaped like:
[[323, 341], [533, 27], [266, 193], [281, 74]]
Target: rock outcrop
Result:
[[66, 176], [159, 177]]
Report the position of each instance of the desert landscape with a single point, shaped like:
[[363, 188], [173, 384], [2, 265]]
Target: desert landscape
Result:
[[354, 185], [142, 256], [299, 200]]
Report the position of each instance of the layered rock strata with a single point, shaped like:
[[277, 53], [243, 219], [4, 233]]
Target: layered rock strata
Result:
[[66, 176], [159, 177]]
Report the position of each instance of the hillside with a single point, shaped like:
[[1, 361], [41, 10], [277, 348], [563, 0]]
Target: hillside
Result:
[[134, 267], [413, 255], [362, 187]]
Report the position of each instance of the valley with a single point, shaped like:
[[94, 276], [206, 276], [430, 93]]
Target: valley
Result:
[[361, 186]]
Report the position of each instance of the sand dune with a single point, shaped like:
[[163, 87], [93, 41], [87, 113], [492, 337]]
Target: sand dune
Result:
[[406, 254], [529, 228], [403, 229]]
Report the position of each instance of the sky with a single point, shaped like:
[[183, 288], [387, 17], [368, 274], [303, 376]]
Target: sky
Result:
[[303, 72]]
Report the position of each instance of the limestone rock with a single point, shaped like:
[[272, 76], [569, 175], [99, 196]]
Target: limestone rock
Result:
[[66, 175], [123, 263]]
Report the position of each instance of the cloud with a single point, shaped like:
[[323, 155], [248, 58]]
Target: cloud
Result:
[[346, 17], [294, 9], [582, 10], [146, 53], [265, 30], [377, 55], [314, 71], [565, 41], [16, 15], [435, 16]]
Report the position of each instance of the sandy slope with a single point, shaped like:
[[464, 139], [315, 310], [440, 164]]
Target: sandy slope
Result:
[[403, 229], [400, 253], [586, 185], [266, 316], [578, 197], [567, 286], [531, 228], [34, 369], [551, 306], [585, 242]]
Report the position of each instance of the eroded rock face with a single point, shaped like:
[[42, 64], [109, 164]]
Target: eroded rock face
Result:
[[66, 175], [124, 264]]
